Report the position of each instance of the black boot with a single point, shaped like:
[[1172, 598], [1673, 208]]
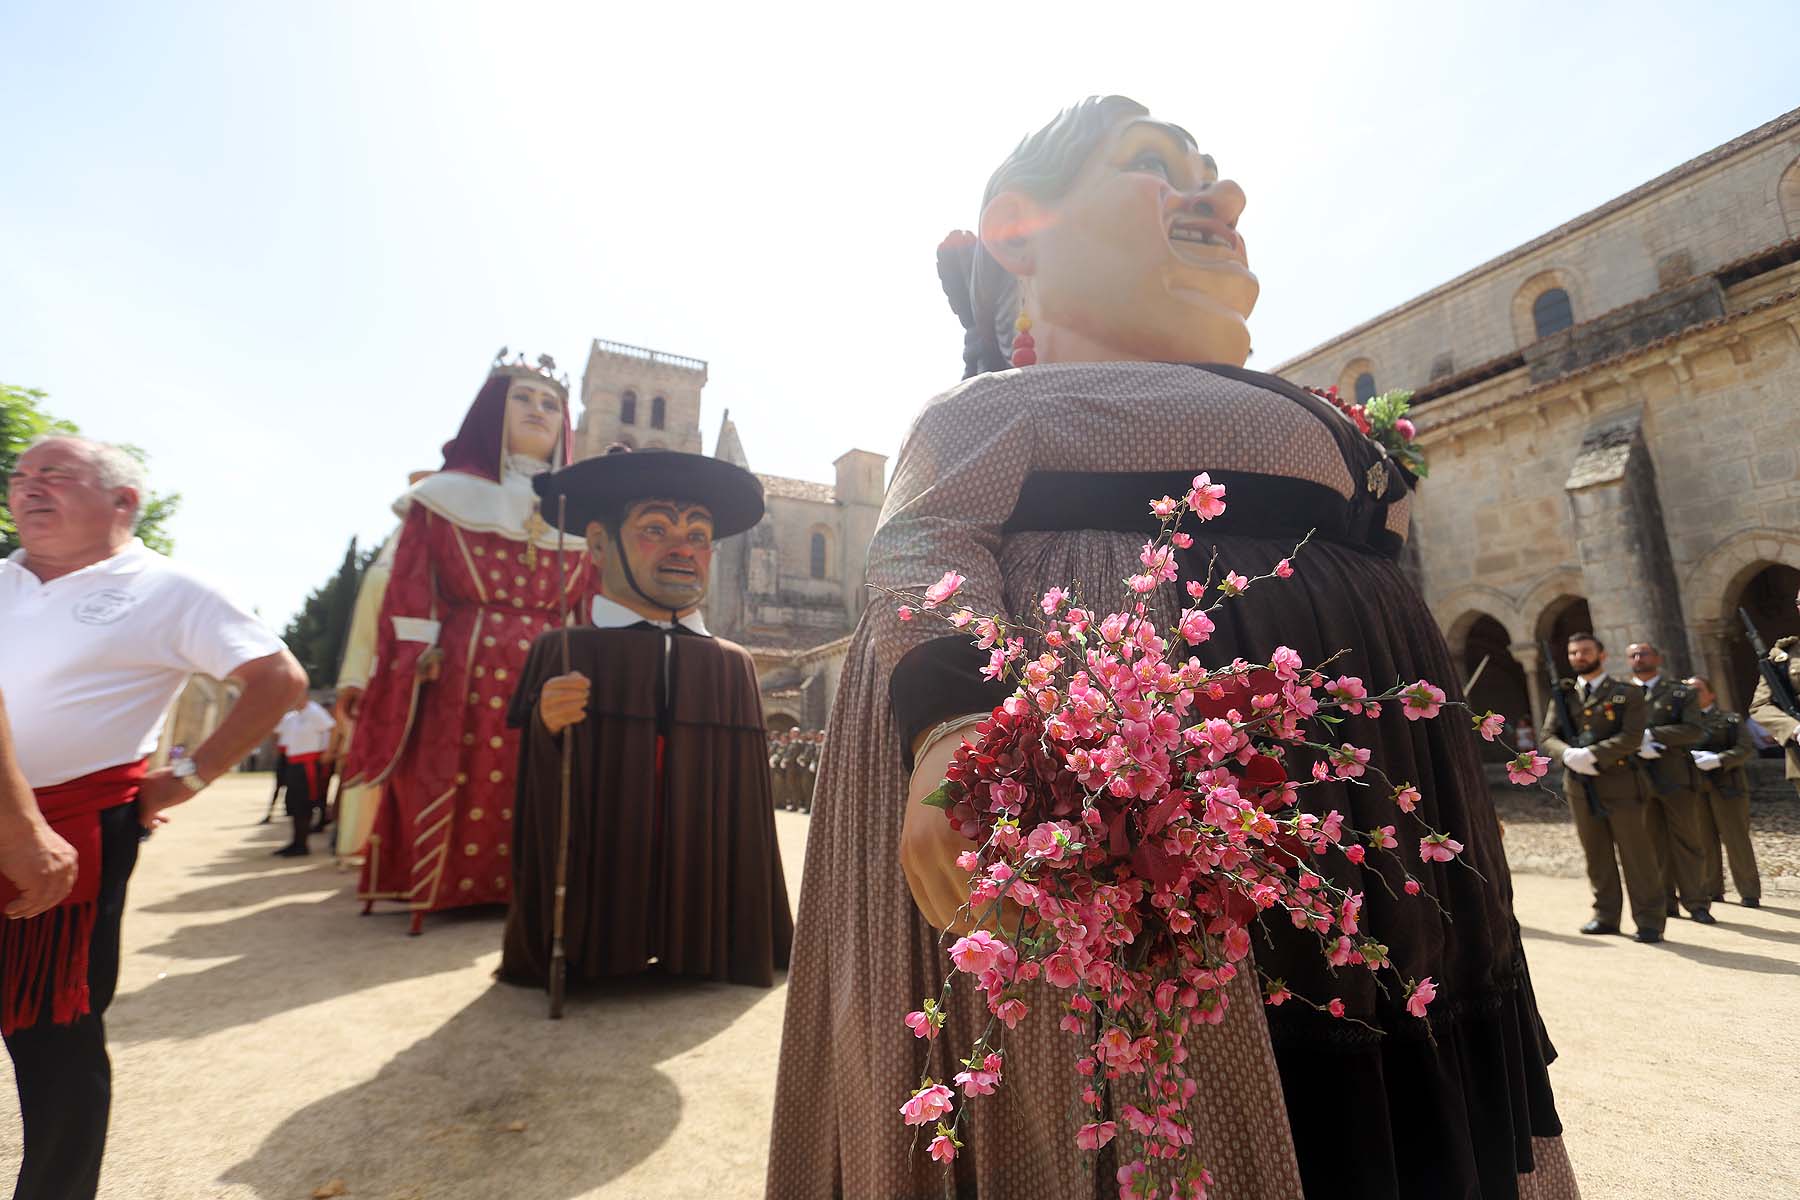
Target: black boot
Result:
[[298, 847]]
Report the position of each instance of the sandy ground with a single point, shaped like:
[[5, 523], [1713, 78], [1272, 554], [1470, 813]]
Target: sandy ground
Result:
[[268, 1041]]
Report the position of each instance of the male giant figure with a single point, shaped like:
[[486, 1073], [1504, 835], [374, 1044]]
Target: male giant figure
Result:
[[672, 860]]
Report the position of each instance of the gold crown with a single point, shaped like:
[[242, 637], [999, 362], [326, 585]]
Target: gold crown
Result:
[[543, 372]]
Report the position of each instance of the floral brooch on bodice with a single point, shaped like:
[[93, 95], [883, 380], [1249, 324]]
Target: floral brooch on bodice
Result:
[[1383, 421]]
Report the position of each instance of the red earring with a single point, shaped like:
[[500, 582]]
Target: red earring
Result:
[[1024, 349]]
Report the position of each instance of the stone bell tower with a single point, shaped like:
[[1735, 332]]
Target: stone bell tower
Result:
[[641, 397]]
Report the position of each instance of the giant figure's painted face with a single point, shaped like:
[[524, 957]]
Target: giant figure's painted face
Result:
[[1141, 259], [669, 547], [534, 419]]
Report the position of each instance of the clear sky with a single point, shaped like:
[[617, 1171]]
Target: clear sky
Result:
[[277, 245]]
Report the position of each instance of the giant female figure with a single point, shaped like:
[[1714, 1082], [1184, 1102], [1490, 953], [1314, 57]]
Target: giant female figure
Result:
[[474, 581], [1119, 242]]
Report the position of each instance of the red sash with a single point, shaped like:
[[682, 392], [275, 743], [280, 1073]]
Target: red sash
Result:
[[311, 763], [52, 947]]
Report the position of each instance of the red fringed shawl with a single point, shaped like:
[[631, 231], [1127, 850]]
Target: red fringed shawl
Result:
[[47, 955]]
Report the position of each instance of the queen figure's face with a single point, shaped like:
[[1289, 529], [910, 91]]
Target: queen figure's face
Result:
[[669, 545], [1140, 260], [533, 419]]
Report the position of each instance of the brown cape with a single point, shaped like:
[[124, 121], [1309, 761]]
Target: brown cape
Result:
[[692, 877]]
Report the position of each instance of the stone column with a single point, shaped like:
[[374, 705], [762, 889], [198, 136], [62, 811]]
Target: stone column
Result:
[[1623, 546], [1526, 654], [1713, 638]]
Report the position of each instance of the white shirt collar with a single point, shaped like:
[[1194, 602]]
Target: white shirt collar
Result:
[[133, 549], [610, 614], [1595, 679], [1649, 683]]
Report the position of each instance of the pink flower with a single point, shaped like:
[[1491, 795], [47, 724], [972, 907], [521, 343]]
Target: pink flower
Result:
[[1164, 508], [1234, 584], [1350, 762], [1383, 838], [1196, 626], [977, 952], [1276, 993], [1095, 1135], [906, 614], [1284, 569], [977, 1082], [1405, 429], [928, 1104], [1420, 701], [1208, 498], [1053, 600], [1349, 691], [1355, 854], [1490, 726], [1527, 768], [1439, 847], [942, 1148], [1287, 663], [924, 1024], [1011, 1012], [1133, 1173], [1407, 797], [1181, 541], [943, 589], [1336, 1007], [1412, 887], [1422, 994]]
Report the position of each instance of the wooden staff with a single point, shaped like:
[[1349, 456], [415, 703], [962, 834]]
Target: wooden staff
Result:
[[559, 964]]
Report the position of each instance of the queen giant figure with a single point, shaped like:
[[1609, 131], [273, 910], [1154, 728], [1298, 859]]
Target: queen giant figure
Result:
[[475, 579]]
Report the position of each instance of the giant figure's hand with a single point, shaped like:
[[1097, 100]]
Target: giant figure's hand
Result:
[[349, 703], [929, 847], [563, 701], [430, 665]]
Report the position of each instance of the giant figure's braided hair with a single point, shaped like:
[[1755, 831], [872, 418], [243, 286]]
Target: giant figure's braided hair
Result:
[[1044, 167]]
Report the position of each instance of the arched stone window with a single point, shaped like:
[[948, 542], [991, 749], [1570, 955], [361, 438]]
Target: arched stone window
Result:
[[1551, 312], [1358, 374], [1787, 195], [658, 412], [819, 551], [628, 408], [1544, 304]]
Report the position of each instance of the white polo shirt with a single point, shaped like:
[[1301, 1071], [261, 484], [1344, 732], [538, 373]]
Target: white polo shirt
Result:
[[307, 731], [91, 663]]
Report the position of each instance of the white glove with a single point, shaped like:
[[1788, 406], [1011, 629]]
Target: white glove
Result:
[[1581, 760], [1649, 749], [1706, 760]]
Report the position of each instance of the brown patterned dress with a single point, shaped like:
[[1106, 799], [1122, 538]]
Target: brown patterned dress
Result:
[[1022, 480]]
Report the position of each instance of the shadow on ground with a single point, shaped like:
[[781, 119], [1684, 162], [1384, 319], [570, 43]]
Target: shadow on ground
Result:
[[504, 1102]]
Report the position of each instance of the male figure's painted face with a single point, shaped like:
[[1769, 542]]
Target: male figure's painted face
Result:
[[669, 548], [1585, 656], [533, 419]]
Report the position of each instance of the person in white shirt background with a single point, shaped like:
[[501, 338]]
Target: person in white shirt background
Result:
[[100, 635], [305, 736]]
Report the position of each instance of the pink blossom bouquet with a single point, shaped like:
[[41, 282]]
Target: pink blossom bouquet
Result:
[[1134, 813]]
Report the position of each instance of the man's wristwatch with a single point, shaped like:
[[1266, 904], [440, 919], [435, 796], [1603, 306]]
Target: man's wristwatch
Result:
[[188, 771]]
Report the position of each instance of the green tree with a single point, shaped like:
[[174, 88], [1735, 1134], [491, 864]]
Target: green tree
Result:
[[317, 634], [23, 420]]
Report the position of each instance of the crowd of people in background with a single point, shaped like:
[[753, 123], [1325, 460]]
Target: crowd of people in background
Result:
[[1654, 773], [794, 767]]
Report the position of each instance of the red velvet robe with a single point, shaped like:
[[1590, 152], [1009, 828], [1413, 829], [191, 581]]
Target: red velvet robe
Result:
[[442, 750]]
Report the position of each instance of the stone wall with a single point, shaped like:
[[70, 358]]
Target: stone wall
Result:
[[1702, 215], [613, 369]]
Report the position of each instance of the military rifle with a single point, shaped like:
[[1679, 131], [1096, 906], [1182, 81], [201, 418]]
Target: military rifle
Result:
[[1569, 730], [1781, 692]]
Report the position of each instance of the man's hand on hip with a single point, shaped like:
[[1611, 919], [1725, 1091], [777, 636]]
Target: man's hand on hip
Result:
[[160, 791], [38, 862]]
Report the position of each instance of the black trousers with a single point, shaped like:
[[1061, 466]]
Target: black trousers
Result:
[[300, 799], [63, 1073]]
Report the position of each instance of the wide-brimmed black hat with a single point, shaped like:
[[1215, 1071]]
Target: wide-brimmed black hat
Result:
[[597, 487]]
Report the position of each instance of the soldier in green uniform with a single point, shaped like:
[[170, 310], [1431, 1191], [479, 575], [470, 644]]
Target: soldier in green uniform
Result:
[[1725, 798], [1673, 812], [1785, 654], [1605, 790], [792, 771], [778, 749]]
